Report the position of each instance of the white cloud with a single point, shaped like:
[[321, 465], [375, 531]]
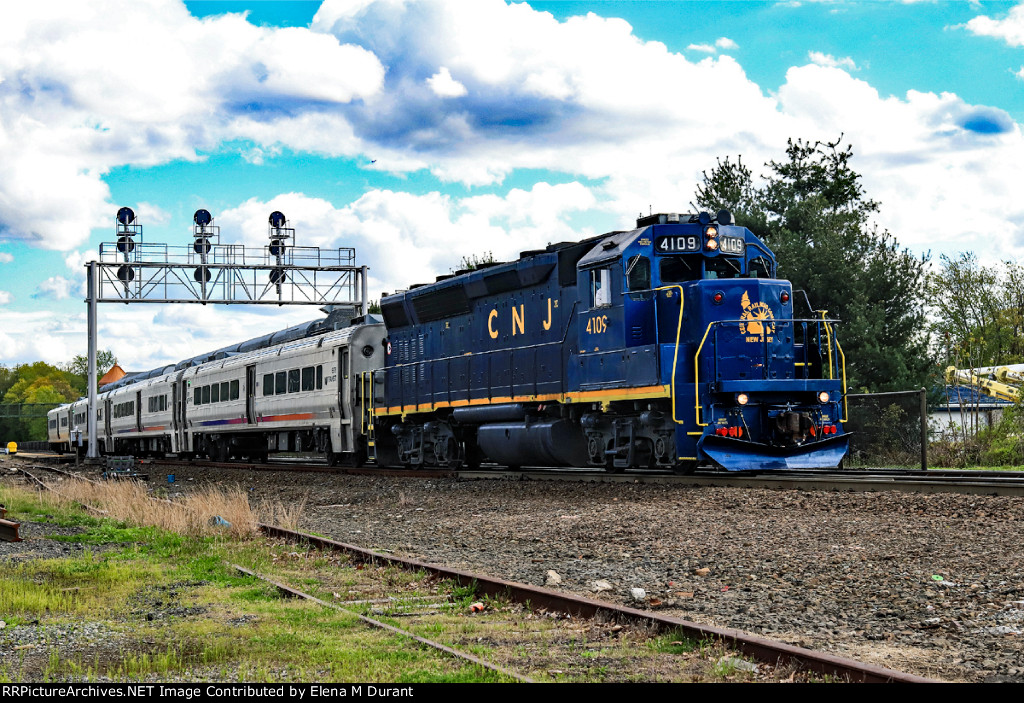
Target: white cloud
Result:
[[85, 87], [724, 43], [407, 238], [56, 287], [1010, 29], [152, 214], [5, 297], [831, 61], [6, 258], [573, 97], [445, 86]]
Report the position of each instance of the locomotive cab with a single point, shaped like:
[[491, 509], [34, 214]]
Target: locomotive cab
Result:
[[752, 385]]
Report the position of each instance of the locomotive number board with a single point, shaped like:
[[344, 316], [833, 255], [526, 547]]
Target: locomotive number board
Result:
[[686, 244]]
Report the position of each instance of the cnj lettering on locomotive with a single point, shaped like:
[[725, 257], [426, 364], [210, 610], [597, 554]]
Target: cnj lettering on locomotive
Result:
[[518, 319]]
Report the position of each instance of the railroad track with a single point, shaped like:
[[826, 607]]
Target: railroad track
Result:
[[759, 648], [908, 480]]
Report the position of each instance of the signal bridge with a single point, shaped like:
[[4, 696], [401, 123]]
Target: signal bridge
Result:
[[131, 270], [207, 271]]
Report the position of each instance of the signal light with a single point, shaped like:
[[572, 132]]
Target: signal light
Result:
[[784, 297], [823, 397], [126, 216], [278, 276], [711, 232], [125, 274], [742, 398], [711, 244], [202, 275], [718, 298], [201, 245], [125, 245]]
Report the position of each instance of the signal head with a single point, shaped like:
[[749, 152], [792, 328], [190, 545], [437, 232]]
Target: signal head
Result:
[[202, 217], [126, 216]]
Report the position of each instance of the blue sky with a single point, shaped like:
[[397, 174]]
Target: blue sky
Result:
[[421, 131]]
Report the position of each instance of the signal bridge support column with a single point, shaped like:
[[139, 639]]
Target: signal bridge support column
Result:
[[93, 452]]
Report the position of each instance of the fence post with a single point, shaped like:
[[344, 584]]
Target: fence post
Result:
[[924, 429]]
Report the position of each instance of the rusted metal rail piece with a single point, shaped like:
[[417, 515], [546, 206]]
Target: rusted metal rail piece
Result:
[[9, 531], [758, 647], [288, 590]]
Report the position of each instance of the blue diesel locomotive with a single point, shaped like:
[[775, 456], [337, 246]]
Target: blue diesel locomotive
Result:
[[671, 345]]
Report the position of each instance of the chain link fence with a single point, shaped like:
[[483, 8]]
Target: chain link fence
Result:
[[890, 430]]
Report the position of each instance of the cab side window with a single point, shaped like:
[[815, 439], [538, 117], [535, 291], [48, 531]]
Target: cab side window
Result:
[[600, 288], [638, 273]]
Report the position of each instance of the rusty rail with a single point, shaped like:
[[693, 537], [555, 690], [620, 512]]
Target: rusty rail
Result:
[[758, 647], [9, 531]]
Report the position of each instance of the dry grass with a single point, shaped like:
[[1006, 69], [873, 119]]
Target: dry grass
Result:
[[286, 515], [200, 513]]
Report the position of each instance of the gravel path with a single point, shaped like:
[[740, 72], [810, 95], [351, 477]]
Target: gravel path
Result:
[[929, 584]]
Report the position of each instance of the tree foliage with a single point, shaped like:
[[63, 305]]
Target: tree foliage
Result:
[[813, 213], [105, 361], [977, 311], [36, 384]]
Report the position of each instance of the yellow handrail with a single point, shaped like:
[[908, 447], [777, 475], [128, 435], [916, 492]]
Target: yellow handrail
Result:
[[675, 354], [828, 339], [696, 376]]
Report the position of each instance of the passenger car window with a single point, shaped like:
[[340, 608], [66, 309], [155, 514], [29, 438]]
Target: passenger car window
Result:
[[293, 381], [281, 381], [307, 378], [268, 384], [234, 390]]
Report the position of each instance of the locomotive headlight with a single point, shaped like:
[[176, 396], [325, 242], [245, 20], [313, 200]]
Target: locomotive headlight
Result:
[[711, 244], [742, 398], [711, 232], [823, 396]]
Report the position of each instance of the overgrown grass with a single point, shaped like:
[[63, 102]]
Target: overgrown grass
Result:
[[172, 609]]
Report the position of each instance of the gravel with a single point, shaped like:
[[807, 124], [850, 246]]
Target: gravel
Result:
[[928, 584]]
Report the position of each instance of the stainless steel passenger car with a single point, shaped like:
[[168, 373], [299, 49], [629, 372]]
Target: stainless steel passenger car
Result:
[[302, 396]]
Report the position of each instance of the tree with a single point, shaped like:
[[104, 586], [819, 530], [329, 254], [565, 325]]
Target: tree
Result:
[[105, 361], [813, 213], [38, 384], [977, 311]]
